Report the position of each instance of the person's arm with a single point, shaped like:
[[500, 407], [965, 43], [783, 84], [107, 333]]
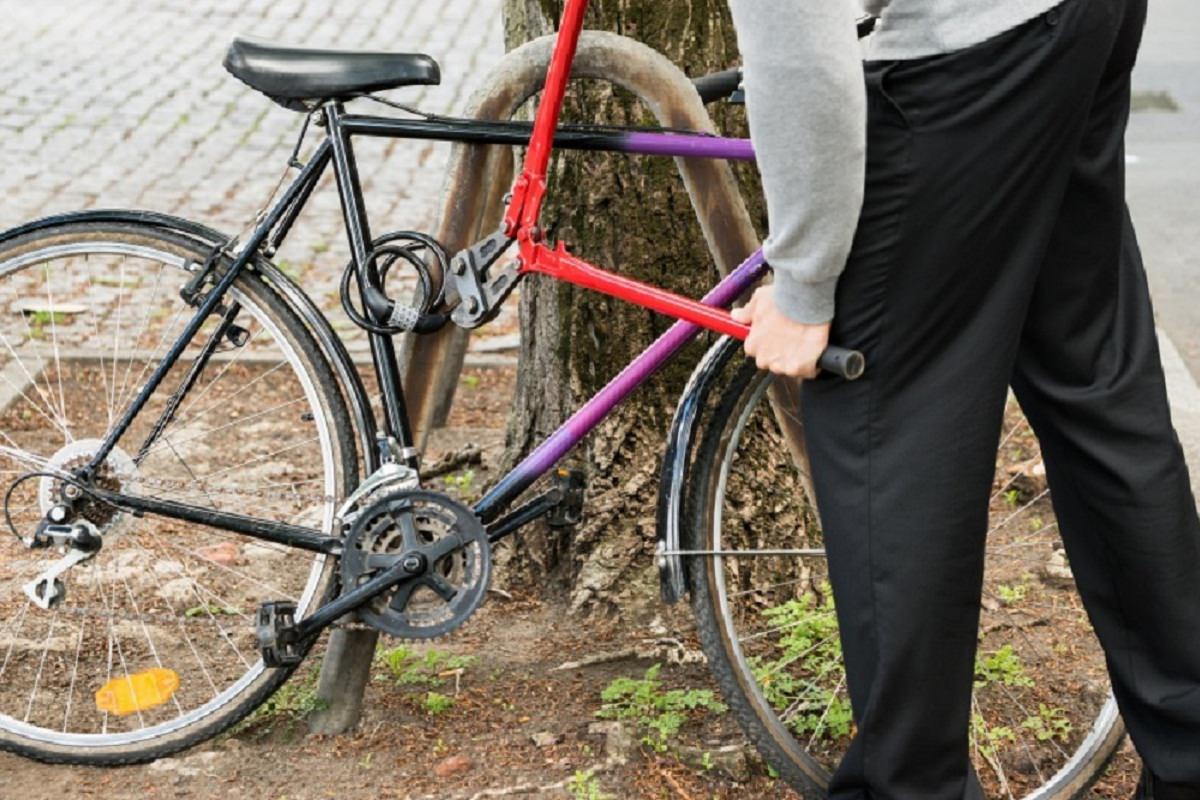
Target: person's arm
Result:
[[806, 102]]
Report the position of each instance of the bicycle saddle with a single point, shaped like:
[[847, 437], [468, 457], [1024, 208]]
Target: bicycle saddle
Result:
[[297, 77]]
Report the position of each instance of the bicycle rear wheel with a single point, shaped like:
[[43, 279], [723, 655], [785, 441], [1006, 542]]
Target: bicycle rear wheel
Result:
[[1044, 723], [153, 647]]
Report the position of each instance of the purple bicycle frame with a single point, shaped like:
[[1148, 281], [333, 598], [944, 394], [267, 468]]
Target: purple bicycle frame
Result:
[[636, 373]]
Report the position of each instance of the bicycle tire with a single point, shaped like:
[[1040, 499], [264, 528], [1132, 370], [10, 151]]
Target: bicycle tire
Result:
[[330, 418]]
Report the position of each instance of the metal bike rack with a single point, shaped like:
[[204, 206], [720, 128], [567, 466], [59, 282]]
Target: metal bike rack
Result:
[[476, 181]]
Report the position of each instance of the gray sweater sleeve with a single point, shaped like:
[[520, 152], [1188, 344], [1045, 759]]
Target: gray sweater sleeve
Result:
[[807, 106]]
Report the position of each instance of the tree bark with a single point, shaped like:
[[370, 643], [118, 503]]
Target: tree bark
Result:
[[632, 215]]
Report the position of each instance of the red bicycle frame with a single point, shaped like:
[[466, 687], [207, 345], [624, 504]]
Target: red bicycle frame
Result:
[[524, 207]]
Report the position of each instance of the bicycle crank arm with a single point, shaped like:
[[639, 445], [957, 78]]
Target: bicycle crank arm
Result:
[[329, 613]]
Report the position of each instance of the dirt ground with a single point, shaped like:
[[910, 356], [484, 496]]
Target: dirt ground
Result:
[[495, 710], [482, 746]]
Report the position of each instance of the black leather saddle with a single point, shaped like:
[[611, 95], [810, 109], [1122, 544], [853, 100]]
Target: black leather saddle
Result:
[[298, 77]]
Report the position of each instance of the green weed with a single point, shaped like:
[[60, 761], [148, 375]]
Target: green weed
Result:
[[1003, 666], [461, 482], [208, 609], [1049, 724], [807, 669], [659, 714], [406, 668], [1012, 594], [986, 738], [584, 786], [435, 703], [288, 707]]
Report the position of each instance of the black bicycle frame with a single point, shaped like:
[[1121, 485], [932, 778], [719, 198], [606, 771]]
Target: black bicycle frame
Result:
[[272, 230]]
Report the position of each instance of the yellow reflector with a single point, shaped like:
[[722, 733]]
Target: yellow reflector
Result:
[[138, 692]]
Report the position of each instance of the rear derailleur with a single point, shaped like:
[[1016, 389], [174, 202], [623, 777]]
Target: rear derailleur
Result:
[[80, 540]]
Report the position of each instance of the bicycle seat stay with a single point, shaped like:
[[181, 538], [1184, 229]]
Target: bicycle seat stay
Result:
[[297, 76]]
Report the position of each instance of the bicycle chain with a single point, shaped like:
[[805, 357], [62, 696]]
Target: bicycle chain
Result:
[[193, 487], [195, 619]]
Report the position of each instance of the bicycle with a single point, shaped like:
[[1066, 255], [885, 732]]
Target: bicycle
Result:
[[162, 653]]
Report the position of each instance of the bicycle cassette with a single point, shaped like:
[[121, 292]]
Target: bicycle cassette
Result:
[[448, 549]]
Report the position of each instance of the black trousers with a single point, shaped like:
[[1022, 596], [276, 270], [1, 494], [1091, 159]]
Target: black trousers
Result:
[[995, 248]]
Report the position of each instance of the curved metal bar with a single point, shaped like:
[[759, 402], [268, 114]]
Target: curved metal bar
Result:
[[478, 176]]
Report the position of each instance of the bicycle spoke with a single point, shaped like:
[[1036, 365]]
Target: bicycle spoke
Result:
[[117, 339], [217, 377], [62, 399], [74, 675], [226, 426], [828, 707], [12, 636], [260, 459], [47, 395], [183, 632], [37, 678], [96, 331], [146, 632], [53, 420], [162, 599]]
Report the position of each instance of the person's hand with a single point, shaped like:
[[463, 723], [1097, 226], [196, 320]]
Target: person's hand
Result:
[[779, 344]]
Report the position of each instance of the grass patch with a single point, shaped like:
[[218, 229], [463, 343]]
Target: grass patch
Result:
[[806, 670], [658, 714], [286, 709]]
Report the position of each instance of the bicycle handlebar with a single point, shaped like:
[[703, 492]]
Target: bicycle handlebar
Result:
[[718, 85], [722, 85], [847, 363]]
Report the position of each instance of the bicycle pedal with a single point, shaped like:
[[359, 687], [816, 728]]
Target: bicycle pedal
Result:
[[275, 628], [569, 510]]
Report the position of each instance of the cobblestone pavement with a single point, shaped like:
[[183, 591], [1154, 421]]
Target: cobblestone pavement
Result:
[[124, 103]]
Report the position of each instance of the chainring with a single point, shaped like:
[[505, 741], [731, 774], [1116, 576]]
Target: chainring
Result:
[[447, 592]]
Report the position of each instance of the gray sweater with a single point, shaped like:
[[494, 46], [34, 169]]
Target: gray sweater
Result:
[[807, 105]]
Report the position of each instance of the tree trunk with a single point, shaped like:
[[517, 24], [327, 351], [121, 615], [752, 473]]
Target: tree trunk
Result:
[[632, 215]]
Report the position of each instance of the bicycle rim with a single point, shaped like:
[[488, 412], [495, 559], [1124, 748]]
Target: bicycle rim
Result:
[[154, 639]]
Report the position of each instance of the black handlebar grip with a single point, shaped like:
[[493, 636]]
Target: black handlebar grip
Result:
[[849, 364], [719, 85]]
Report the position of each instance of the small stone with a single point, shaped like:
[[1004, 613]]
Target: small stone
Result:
[[255, 553], [546, 738], [186, 766], [178, 590], [1057, 570], [453, 765], [226, 554], [620, 745], [730, 759]]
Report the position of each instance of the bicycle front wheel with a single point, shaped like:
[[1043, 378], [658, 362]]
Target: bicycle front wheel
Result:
[[1044, 723], [151, 646]]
